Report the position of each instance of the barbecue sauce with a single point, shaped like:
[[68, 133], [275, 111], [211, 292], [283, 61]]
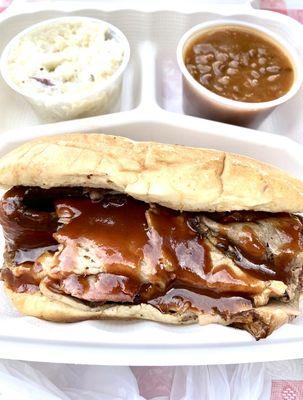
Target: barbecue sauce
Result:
[[26, 230], [157, 249], [184, 299], [24, 283], [253, 255], [116, 226]]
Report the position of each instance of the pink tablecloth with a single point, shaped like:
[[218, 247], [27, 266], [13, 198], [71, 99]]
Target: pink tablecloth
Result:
[[158, 381]]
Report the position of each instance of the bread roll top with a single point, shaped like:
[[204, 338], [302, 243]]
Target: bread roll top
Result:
[[178, 177]]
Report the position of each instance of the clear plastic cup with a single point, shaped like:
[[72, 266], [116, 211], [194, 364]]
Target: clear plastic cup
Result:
[[200, 102], [101, 99]]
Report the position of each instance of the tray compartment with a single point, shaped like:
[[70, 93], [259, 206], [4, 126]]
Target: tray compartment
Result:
[[16, 112], [148, 113], [145, 342], [152, 79], [284, 120]]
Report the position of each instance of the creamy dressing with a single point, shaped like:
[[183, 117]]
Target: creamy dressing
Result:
[[65, 58]]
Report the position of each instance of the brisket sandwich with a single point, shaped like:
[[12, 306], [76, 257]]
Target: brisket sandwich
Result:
[[100, 226]]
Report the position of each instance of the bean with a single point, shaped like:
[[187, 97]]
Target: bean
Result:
[[272, 78], [236, 89], [251, 83], [262, 70], [234, 64], [247, 84], [261, 51], [217, 68], [203, 69], [252, 52], [262, 61], [244, 59], [191, 69], [255, 74], [232, 71], [273, 69], [205, 59], [203, 48], [218, 88], [204, 79], [221, 57], [254, 65], [224, 80]]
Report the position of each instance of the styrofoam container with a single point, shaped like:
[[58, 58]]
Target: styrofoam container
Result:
[[151, 110]]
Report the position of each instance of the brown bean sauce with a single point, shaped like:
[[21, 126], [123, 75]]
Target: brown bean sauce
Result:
[[240, 64]]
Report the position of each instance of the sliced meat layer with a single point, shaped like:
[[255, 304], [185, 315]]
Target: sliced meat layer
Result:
[[107, 236], [262, 321], [206, 302], [268, 247], [196, 262], [156, 247], [180, 307], [107, 248], [101, 288]]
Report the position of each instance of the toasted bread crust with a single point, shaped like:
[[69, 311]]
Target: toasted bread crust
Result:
[[260, 322], [178, 177], [38, 305]]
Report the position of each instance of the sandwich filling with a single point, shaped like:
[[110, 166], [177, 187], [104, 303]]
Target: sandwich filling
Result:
[[100, 247]]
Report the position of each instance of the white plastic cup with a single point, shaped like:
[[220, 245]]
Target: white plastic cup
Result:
[[102, 99], [201, 102]]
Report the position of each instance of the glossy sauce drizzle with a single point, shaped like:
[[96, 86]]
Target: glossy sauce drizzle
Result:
[[154, 253], [28, 231], [183, 299], [115, 228], [253, 254], [183, 250], [155, 245]]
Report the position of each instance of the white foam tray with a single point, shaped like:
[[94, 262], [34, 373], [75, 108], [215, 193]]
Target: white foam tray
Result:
[[151, 110]]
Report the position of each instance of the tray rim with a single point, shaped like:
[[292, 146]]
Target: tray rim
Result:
[[66, 352], [65, 6], [104, 352]]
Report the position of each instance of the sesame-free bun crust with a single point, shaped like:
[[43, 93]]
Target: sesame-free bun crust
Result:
[[61, 308], [260, 321], [177, 177]]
